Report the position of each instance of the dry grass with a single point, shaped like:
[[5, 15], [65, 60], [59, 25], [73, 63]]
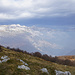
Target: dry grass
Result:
[[72, 57], [35, 64]]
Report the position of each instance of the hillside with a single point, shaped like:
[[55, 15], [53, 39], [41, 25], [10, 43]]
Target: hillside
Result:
[[10, 62], [69, 57]]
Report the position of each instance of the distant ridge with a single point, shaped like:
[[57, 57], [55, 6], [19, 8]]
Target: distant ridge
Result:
[[71, 52], [67, 57]]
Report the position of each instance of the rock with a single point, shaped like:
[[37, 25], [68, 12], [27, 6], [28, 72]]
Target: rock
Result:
[[44, 70], [0, 61], [62, 73], [24, 62], [5, 58], [67, 73], [23, 67]]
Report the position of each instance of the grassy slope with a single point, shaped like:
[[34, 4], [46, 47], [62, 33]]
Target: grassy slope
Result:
[[35, 64], [71, 57]]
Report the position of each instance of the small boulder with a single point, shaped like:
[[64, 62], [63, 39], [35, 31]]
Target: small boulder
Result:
[[24, 62], [62, 73], [23, 67], [4, 57], [0, 61], [67, 73], [44, 70]]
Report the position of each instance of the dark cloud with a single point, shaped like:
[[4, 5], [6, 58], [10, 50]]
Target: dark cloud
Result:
[[31, 9]]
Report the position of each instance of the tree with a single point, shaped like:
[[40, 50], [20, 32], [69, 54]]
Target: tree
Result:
[[0, 48], [46, 57], [8, 47], [38, 54]]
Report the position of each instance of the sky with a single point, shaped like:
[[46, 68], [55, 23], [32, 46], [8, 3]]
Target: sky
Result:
[[47, 26], [31, 12]]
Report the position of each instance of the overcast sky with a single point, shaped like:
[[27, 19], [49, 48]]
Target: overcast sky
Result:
[[29, 12], [44, 25]]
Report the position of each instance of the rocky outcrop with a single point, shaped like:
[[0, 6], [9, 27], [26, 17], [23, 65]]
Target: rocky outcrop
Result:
[[4, 59], [23, 67], [62, 73], [45, 70]]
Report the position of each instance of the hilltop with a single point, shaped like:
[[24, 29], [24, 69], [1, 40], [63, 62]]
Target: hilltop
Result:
[[10, 62], [69, 57]]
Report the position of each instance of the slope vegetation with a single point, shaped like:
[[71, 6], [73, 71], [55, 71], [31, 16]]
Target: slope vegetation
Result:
[[69, 57], [10, 62]]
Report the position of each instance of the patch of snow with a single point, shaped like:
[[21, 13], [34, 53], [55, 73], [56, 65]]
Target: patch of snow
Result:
[[62, 73], [23, 67], [44, 70]]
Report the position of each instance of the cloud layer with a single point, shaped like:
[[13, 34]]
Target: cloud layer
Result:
[[28, 38], [46, 40], [17, 9]]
